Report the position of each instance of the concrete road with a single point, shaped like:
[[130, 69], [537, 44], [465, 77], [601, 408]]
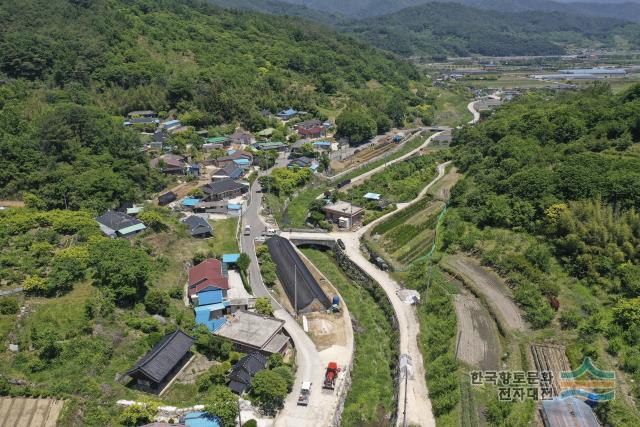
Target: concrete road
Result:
[[310, 366]]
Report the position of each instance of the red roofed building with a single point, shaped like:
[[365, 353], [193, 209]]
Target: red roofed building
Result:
[[312, 132], [210, 273]]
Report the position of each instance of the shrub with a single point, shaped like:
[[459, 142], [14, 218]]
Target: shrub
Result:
[[569, 319], [156, 302], [9, 306], [287, 374], [263, 306]]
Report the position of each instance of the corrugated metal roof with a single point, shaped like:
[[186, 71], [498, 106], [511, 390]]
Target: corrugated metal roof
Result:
[[213, 296], [230, 258], [132, 229]]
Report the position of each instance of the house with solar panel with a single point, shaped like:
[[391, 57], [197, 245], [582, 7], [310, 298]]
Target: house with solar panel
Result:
[[118, 224], [157, 368]]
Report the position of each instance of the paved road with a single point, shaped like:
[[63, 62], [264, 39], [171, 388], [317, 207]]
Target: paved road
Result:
[[472, 109], [418, 403], [310, 366]]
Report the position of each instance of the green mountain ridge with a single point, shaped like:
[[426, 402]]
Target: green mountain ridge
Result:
[[456, 30], [72, 65]]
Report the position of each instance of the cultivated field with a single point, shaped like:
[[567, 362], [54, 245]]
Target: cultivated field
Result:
[[27, 412]]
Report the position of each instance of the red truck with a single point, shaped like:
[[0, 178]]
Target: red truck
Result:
[[330, 376]]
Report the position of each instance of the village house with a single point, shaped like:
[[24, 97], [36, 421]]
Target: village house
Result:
[[169, 163], [311, 129], [142, 113], [241, 137], [118, 224], [240, 158], [223, 190], [230, 171], [271, 145], [251, 332], [198, 227], [207, 289], [345, 214], [159, 365], [300, 162], [287, 114], [243, 371]]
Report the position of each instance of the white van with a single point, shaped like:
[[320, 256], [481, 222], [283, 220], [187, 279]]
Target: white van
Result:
[[247, 230], [271, 232]]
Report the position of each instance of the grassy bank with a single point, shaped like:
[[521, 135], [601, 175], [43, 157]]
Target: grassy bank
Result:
[[371, 396]]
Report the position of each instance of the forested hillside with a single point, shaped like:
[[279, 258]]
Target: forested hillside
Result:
[[456, 30], [72, 68], [551, 200]]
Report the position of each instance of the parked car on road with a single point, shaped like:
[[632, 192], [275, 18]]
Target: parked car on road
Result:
[[305, 393]]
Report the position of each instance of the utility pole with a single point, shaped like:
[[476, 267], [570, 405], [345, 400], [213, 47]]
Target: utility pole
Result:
[[295, 288], [239, 414]]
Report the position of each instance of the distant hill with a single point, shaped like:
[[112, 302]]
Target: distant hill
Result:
[[627, 10], [457, 30], [276, 7]]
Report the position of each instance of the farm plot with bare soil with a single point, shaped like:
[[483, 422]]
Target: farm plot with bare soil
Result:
[[26, 412], [478, 344]]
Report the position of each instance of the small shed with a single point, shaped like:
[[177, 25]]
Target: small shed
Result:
[[167, 198]]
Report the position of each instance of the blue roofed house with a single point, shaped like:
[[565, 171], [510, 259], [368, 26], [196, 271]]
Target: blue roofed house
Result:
[[242, 163], [207, 289], [287, 114]]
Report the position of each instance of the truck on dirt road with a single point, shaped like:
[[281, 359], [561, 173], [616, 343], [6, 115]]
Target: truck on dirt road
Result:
[[330, 376], [305, 392]]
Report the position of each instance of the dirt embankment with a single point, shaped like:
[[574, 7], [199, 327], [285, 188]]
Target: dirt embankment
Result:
[[490, 287]]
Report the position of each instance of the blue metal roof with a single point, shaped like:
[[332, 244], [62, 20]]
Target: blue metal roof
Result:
[[289, 112], [230, 258], [201, 419], [234, 206], [190, 202], [323, 143], [230, 151], [208, 297], [242, 162], [372, 196]]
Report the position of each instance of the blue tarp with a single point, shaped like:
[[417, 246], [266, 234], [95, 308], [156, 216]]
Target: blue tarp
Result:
[[190, 202], [230, 258], [230, 152], [201, 419], [372, 196]]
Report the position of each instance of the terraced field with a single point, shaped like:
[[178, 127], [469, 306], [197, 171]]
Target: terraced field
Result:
[[26, 412], [408, 236]]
